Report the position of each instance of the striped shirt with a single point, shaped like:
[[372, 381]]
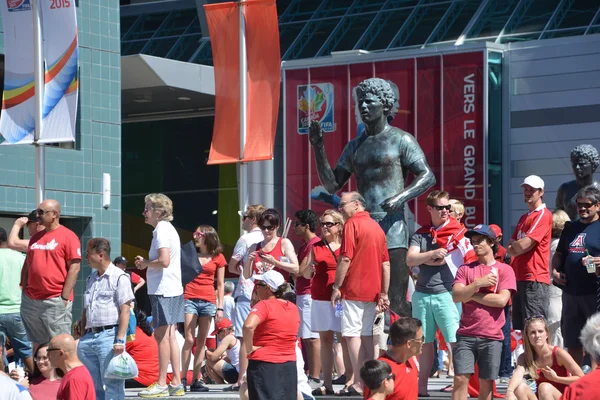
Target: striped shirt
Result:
[[104, 296]]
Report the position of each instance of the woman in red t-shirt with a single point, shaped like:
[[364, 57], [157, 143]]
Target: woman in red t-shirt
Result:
[[320, 265], [45, 380], [552, 367], [274, 252], [270, 334], [201, 304]]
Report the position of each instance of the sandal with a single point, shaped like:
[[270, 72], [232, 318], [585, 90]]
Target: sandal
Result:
[[322, 391], [447, 389], [342, 391], [351, 392]]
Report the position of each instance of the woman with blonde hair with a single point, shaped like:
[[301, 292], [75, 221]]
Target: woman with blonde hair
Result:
[[559, 218], [165, 291], [320, 265], [552, 368], [201, 304]]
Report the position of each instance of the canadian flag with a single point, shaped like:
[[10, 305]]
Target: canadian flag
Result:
[[460, 252]]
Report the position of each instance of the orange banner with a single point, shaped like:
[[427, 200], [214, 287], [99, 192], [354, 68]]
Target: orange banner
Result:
[[262, 52], [264, 77], [224, 26]]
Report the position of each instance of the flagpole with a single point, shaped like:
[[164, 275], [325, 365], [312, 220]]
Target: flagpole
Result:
[[38, 61], [243, 167]]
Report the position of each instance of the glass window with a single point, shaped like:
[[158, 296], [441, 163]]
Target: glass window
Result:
[[185, 47], [457, 22], [204, 56], [127, 23], [287, 34], [160, 47], [534, 18], [349, 37], [580, 13], [384, 29], [424, 22], [493, 19], [313, 39], [367, 5], [146, 26], [564, 33], [495, 138], [334, 8], [178, 22], [400, 3], [134, 47], [304, 11]]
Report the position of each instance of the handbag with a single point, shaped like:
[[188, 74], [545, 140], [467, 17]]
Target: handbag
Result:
[[190, 265]]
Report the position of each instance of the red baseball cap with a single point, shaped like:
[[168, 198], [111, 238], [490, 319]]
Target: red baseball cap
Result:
[[222, 324], [496, 230]]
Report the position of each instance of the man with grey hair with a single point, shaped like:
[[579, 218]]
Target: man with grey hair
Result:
[[575, 263], [584, 161], [586, 388], [380, 160], [228, 301], [363, 276]]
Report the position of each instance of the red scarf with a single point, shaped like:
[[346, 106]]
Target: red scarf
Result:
[[448, 236]]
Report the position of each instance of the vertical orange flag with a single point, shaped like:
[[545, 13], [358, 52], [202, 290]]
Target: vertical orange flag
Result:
[[264, 73]]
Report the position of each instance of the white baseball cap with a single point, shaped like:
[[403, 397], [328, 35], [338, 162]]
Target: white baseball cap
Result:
[[272, 278], [534, 181]]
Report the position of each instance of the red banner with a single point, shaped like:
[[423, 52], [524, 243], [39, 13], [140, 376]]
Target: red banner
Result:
[[453, 151]]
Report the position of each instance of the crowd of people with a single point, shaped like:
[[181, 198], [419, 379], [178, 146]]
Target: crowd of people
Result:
[[299, 322]]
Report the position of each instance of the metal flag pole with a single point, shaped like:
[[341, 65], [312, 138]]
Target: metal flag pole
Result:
[[38, 61], [243, 167]]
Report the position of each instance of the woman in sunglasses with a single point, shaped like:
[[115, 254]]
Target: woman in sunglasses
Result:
[[274, 252], [201, 304], [320, 265], [552, 368]]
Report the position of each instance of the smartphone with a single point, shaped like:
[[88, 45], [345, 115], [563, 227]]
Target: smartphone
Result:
[[378, 320]]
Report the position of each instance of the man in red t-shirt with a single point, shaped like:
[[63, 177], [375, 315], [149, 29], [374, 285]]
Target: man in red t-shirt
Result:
[[49, 275], [404, 346], [361, 281], [530, 249], [77, 384], [305, 228], [484, 287]]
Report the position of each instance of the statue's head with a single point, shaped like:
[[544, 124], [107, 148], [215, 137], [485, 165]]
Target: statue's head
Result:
[[380, 88], [584, 160]]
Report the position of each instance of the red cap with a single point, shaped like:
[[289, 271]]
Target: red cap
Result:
[[222, 324], [496, 229]]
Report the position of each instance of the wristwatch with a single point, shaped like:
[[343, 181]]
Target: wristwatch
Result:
[[335, 287], [119, 341]]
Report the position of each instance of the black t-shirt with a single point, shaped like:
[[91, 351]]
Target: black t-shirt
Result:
[[576, 240]]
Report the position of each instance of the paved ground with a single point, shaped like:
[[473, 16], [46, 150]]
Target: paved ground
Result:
[[216, 392]]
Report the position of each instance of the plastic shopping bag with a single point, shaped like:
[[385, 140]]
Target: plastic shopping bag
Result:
[[121, 367]]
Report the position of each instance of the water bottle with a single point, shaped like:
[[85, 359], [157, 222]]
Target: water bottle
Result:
[[586, 369], [339, 311], [20, 369]]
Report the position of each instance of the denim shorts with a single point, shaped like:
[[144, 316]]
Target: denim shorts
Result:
[[201, 308]]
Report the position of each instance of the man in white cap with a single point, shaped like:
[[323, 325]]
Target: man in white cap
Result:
[[530, 247]]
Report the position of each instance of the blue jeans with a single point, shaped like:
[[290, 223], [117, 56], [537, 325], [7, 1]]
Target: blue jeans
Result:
[[506, 368], [11, 326], [95, 352]]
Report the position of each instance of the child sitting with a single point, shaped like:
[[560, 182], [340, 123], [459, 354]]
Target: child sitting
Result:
[[224, 362]]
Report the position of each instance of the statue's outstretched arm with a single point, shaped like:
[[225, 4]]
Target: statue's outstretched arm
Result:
[[332, 180]]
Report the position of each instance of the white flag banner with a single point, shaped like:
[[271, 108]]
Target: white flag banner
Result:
[[61, 54], [17, 121]]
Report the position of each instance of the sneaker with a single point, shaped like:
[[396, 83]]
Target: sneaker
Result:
[[154, 391], [314, 383], [197, 386], [178, 390], [184, 383], [503, 380]]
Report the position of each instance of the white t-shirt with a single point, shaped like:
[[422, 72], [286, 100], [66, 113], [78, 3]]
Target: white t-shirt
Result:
[[165, 281], [11, 390], [228, 306], [240, 253]]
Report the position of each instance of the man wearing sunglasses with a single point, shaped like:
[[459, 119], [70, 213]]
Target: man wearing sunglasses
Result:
[[33, 225], [77, 384], [579, 245], [49, 275]]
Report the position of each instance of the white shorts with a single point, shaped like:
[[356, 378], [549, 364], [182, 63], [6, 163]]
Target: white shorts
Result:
[[303, 302], [358, 318], [323, 317]]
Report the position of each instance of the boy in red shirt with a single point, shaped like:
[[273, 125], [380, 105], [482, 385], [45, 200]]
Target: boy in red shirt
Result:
[[404, 346], [378, 379]]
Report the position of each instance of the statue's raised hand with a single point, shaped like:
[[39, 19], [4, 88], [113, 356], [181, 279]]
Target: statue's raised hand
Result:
[[315, 133]]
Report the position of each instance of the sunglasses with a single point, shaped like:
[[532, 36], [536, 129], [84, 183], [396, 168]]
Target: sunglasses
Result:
[[198, 235], [391, 376], [535, 317], [245, 217], [440, 208], [49, 349], [328, 224], [585, 205], [418, 339], [267, 227], [41, 212]]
